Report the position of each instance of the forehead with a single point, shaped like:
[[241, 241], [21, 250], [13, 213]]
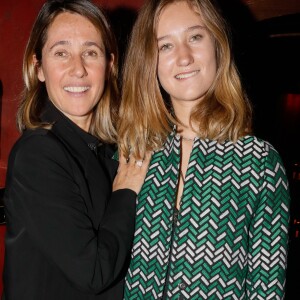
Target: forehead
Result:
[[177, 15], [68, 24]]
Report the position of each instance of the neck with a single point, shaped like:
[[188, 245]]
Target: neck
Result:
[[186, 132], [188, 139], [183, 112], [82, 122]]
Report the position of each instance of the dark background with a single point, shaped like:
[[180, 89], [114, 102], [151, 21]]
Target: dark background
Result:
[[266, 45]]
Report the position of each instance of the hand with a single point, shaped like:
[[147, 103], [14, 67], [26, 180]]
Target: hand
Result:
[[131, 173]]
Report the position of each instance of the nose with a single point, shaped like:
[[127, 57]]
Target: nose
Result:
[[184, 55], [78, 67]]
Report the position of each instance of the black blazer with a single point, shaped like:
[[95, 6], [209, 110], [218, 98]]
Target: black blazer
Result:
[[68, 235]]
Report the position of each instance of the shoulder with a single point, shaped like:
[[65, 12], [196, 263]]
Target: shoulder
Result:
[[259, 144], [256, 144], [39, 156], [36, 143], [36, 137], [263, 150]]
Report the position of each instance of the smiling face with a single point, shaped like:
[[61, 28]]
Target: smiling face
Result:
[[74, 67], [187, 60]]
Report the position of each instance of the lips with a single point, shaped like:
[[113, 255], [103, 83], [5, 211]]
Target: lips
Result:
[[76, 89], [186, 75]]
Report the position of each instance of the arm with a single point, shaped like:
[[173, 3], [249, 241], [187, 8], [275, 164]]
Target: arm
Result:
[[45, 199], [268, 240]]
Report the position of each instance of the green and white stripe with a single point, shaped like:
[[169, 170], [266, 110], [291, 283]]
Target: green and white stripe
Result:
[[232, 233]]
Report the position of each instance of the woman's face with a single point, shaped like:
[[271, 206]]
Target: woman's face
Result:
[[74, 67], [187, 59]]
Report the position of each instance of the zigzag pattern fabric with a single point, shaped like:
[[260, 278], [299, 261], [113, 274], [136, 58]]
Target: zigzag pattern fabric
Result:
[[231, 237]]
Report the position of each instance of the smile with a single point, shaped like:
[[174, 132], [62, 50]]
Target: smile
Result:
[[186, 75], [76, 89]]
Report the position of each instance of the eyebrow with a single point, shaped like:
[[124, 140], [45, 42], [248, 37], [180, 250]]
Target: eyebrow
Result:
[[87, 43], [186, 30]]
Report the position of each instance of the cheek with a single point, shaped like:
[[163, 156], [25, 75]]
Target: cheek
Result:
[[208, 61], [50, 73], [213, 66], [159, 74], [100, 72], [212, 57], [162, 79], [163, 70], [99, 77]]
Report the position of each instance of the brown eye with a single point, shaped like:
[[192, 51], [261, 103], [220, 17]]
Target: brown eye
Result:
[[196, 37], [90, 54], [60, 54], [165, 47]]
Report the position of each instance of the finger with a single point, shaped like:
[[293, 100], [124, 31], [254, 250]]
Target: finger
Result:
[[122, 158], [147, 159], [131, 160]]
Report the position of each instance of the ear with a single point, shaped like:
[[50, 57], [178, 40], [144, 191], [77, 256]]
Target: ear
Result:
[[38, 68], [110, 64]]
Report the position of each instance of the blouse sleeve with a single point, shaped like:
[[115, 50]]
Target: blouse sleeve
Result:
[[268, 236], [45, 201]]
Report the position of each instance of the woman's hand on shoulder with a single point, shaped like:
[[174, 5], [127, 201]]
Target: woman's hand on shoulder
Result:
[[131, 173]]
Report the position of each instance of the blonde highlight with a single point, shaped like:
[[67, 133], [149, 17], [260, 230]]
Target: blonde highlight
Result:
[[34, 93], [145, 117]]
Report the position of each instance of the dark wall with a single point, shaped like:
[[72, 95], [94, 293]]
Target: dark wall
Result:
[[267, 55]]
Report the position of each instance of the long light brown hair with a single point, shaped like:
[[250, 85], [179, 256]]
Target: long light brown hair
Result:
[[145, 118], [34, 93]]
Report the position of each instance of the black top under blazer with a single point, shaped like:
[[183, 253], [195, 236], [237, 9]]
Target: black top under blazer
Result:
[[68, 235]]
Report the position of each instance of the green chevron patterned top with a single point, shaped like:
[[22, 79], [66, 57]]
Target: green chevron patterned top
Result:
[[231, 237]]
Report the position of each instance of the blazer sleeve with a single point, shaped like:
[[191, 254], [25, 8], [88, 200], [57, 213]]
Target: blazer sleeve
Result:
[[268, 236], [44, 198]]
